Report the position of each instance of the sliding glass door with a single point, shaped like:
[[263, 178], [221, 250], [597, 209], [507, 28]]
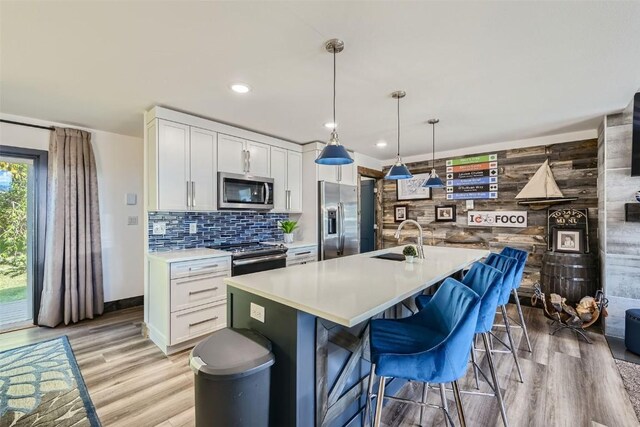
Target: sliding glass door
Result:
[[17, 225]]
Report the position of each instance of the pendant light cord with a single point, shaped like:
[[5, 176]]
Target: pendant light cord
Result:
[[335, 125], [433, 147], [398, 126]]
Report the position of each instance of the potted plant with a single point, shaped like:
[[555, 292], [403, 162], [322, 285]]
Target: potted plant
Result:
[[287, 227], [409, 253]]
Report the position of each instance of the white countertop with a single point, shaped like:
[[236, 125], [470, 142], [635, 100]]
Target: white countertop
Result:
[[353, 289], [294, 245], [187, 254]]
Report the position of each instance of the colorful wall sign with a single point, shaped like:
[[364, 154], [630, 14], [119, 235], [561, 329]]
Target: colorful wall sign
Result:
[[497, 218], [473, 177]]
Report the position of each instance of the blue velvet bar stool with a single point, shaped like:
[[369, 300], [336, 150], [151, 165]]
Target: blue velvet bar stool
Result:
[[509, 268], [431, 346], [487, 282], [521, 256]]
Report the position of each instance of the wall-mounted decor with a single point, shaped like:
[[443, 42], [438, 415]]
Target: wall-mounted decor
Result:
[[472, 178], [446, 213], [568, 240], [400, 213], [542, 190], [497, 218], [567, 218], [412, 189]]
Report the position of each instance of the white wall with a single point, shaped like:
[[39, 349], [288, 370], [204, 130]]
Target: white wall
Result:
[[119, 161]]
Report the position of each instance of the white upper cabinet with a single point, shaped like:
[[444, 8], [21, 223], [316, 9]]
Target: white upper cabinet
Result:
[[173, 166], [258, 163], [286, 171], [181, 167], [231, 154], [237, 155], [279, 175], [345, 174], [203, 171], [294, 181]]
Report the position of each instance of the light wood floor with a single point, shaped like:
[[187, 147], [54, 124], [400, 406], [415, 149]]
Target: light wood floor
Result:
[[131, 383]]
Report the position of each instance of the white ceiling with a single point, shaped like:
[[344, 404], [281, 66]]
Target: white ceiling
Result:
[[491, 71]]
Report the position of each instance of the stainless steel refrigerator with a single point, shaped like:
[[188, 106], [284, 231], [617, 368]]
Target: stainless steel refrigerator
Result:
[[339, 228]]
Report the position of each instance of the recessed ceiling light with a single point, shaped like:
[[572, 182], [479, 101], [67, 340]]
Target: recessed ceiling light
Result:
[[240, 88], [330, 125], [381, 144]]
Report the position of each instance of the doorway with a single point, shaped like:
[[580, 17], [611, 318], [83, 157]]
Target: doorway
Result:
[[16, 241], [368, 228], [22, 205]]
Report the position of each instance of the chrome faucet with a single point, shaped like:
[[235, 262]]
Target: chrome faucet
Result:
[[420, 236]]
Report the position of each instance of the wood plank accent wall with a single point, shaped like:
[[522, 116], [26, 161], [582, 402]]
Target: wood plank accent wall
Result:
[[575, 167]]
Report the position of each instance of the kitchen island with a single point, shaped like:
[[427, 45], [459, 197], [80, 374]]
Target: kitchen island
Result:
[[317, 316]]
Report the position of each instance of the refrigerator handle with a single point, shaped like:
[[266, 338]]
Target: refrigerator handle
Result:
[[341, 235]]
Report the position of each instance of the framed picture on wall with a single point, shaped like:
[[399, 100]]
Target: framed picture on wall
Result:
[[400, 212], [412, 189], [568, 240], [446, 213]]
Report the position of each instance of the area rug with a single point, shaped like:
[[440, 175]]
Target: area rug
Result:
[[41, 385], [630, 373]]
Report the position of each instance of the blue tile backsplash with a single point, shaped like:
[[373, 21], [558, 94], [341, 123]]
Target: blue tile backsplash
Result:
[[214, 228]]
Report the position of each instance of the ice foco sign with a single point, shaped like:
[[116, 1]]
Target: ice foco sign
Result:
[[497, 218]]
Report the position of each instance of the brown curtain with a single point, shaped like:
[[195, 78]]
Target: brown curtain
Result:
[[72, 288]]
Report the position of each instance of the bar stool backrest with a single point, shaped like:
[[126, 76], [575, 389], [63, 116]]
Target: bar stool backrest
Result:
[[485, 281], [519, 255], [508, 266]]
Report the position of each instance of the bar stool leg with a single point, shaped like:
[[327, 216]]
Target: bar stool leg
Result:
[[494, 377], [474, 362], [445, 405], [380, 397], [425, 391], [456, 395], [513, 347], [524, 325], [366, 418]]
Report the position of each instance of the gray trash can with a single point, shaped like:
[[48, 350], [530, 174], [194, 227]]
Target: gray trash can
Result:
[[232, 378]]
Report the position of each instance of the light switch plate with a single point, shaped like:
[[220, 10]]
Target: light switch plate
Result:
[[159, 228], [131, 198], [132, 220], [256, 312], [193, 228], [470, 204]]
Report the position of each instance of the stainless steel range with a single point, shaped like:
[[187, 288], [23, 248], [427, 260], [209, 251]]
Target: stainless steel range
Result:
[[254, 256]]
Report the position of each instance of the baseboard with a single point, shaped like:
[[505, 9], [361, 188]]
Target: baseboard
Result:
[[121, 304]]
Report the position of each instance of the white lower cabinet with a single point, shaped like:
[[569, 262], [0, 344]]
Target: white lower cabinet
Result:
[[187, 300], [302, 255]]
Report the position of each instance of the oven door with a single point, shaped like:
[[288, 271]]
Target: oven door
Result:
[[256, 264], [244, 192]]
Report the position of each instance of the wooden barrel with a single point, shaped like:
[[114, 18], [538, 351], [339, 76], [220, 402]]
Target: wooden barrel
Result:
[[571, 276]]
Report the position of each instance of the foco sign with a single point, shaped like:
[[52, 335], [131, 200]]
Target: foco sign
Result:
[[497, 218]]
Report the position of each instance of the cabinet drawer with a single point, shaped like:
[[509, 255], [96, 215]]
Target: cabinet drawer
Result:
[[199, 267], [301, 260], [194, 322], [188, 292]]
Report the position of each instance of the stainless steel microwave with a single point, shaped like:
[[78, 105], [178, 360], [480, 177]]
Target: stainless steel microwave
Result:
[[237, 191]]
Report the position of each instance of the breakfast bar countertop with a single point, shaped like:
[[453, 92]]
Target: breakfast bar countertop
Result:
[[352, 289]]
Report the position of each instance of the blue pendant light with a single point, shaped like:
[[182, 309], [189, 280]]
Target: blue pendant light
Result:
[[333, 153], [399, 170], [434, 180]]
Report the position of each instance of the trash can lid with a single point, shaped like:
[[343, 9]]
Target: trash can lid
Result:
[[230, 353], [633, 313]]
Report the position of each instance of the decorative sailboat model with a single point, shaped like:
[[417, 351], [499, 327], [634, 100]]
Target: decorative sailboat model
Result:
[[542, 191]]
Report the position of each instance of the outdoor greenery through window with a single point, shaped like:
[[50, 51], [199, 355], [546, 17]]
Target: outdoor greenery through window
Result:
[[13, 231]]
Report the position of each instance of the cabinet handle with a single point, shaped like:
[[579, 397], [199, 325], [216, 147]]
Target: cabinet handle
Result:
[[193, 194], [303, 253], [203, 321], [248, 161], [203, 290], [203, 267], [188, 195]]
